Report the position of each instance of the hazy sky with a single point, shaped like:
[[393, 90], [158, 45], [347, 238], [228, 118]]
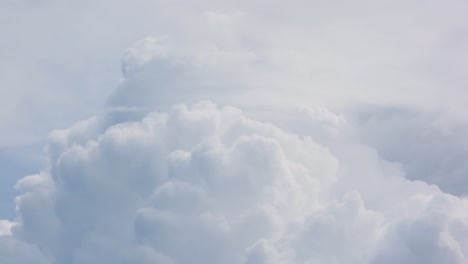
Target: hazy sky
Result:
[[233, 132]]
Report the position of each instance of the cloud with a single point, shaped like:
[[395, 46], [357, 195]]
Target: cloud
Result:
[[322, 51], [436, 236], [14, 251], [430, 146], [207, 184], [174, 191], [5, 227], [224, 143]]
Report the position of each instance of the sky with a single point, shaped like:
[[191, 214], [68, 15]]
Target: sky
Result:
[[255, 132]]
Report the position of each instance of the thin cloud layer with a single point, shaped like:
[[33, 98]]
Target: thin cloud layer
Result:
[[5, 227], [402, 52], [208, 183], [430, 146]]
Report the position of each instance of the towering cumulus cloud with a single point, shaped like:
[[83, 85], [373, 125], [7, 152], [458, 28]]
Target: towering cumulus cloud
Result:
[[165, 176]]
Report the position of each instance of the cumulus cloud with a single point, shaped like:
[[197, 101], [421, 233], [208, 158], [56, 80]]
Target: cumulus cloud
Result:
[[206, 183], [196, 161]]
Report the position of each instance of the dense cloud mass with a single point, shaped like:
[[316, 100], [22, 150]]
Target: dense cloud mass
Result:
[[148, 182]]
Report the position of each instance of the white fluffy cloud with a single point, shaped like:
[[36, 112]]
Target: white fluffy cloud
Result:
[[205, 183], [203, 156]]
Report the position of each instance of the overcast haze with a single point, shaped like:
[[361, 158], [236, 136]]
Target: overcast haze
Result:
[[255, 132]]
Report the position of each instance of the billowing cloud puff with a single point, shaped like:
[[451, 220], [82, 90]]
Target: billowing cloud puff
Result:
[[208, 184], [207, 181], [159, 76], [150, 181]]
